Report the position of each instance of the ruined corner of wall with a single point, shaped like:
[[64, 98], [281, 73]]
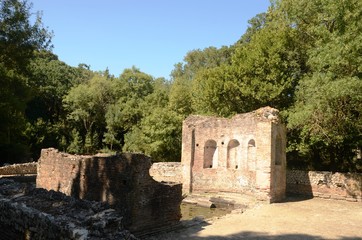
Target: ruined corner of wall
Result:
[[122, 180]]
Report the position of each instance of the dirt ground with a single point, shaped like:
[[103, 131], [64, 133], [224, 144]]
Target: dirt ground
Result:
[[294, 219]]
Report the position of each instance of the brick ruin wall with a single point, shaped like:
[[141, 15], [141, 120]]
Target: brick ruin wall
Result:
[[167, 172], [339, 186], [123, 181], [19, 169], [243, 154]]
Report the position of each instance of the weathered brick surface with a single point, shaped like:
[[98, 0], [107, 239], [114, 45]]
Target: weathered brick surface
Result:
[[244, 153], [340, 186], [123, 181], [19, 169], [166, 172]]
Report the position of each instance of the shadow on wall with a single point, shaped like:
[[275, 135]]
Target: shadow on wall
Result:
[[104, 180], [123, 181], [354, 184], [299, 184], [339, 186]]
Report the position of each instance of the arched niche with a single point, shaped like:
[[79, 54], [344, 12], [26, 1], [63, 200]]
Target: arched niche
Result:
[[251, 155], [233, 154], [210, 153]]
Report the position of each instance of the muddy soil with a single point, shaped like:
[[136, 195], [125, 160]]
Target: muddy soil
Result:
[[293, 219]]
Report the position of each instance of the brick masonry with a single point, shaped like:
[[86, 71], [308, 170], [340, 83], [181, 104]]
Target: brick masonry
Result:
[[166, 172], [340, 186], [19, 169], [243, 154], [123, 181]]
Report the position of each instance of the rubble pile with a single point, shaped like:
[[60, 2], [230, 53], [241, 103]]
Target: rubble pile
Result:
[[32, 213]]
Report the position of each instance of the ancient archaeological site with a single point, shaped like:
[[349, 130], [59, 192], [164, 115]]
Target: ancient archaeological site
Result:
[[237, 164]]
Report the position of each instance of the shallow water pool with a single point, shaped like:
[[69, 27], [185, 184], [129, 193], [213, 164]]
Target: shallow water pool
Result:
[[189, 211]]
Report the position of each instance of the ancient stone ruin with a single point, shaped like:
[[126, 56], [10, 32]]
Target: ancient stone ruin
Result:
[[23, 169], [122, 181], [243, 154], [27, 212]]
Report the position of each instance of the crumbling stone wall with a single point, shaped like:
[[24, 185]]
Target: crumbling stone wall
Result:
[[29, 213], [167, 172], [339, 186], [123, 181], [19, 169], [342, 186], [243, 154]]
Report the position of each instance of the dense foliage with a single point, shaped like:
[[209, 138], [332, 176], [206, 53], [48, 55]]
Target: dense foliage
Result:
[[303, 57], [19, 39]]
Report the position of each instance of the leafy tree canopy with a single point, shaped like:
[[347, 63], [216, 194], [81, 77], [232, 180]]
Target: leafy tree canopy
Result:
[[19, 40], [326, 116]]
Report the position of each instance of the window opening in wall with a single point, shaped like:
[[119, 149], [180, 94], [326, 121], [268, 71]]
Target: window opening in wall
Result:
[[210, 154], [278, 150], [251, 155], [233, 154]]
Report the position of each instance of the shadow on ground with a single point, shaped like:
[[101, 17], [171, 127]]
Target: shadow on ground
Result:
[[296, 198], [192, 234], [265, 236]]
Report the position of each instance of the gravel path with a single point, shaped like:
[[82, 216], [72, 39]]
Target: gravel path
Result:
[[294, 219]]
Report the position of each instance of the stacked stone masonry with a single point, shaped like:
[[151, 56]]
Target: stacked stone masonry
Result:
[[243, 154], [166, 172], [19, 169], [123, 181], [341, 186], [30, 213]]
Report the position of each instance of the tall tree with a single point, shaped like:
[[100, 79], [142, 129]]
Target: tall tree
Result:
[[127, 111], [255, 24], [265, 69], [19, 40], [87, 105], [50, 80], [327, 114], [158, 134], [183, 75]]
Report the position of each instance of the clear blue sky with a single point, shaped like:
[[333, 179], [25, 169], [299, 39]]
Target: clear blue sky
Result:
[[152, 35]]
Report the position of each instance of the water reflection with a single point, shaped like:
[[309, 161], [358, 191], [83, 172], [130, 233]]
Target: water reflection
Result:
[[189, 211]]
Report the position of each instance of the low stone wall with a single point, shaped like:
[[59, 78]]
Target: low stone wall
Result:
[[341, 186], [122, 180], [29, 213], [19, 169], [167, 172]]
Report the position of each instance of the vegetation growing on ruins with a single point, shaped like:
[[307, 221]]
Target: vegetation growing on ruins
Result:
[[303, 57]]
